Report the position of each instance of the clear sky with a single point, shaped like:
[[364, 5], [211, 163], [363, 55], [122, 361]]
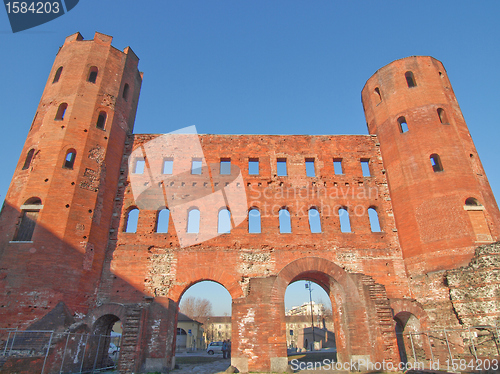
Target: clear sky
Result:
[[259, 66]]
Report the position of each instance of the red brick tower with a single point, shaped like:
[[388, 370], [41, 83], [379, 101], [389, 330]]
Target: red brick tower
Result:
[[443, 204], [57, 213]]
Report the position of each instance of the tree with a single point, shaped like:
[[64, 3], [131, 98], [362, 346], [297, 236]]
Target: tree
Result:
[[197, 309]]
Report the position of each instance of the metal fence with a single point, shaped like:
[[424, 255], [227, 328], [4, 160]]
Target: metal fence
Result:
[[54, 352], [475, 347]]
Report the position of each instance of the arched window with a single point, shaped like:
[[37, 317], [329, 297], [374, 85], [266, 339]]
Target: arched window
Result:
[[443, 118], [193, 224], [285, 223], [29, 157], [436, 162], [101, 120], [472, 202], [92, 74], [403, 126], [378, 96], [345, 223], [254, 226], [57, 75], [314, 221], [162, 221], [125, 91], [69, 161], [61, 111], [410, 79], [374, 221], [132, 220], [224, 221], [29, 216]]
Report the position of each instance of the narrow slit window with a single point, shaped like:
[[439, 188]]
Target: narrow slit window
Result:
[[57, 75], [61, 111], [140, 164], [314, 221], [345, 223], [410, 79], [337, 166], [472, 202], [365, 166], [196, 165], [224, 221], [162, 222], [132, 220], [69, 160], [253, 166], [374, 220], [101, 120], [378, 97], [443, 118], [254, 222], [168, 166], [92, 74], [29, 216], [403, 126], [193, 224], [29, 157], [225, 166], [281, 167], [436, 163], [310, 170], [285, 222], [126, 88]]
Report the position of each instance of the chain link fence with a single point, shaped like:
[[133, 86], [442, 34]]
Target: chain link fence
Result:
[[53, 352], [476, 346]]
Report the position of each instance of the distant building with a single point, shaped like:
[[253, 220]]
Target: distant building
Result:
[[189, 333], [299, 331], [217, 329], [305, 309]]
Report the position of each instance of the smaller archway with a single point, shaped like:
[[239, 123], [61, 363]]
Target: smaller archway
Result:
[[254, 222], [224, 221], [285, 222], [193, 221], [409, 338], [205, 310], [92, 77], [132, 220], [103, 346], [61, 111], [345, 222], [314, 220], [29, 157]]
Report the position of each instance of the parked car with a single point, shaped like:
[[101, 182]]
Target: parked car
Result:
[[214, 347]]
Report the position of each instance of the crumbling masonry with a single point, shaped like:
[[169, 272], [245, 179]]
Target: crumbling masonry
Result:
[[67, 248]]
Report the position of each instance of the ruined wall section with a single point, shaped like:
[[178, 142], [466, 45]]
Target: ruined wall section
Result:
[[475, 288]]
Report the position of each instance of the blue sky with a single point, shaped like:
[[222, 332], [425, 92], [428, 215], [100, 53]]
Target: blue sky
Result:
[[269, 67]]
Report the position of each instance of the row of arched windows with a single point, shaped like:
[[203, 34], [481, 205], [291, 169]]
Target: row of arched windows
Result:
[[101, 118], [410, 82], [403, 124], [254, 221], [91, 78], [68, 163]]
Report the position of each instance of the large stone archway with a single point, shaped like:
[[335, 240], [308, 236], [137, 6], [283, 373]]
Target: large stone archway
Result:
[[362, 317]]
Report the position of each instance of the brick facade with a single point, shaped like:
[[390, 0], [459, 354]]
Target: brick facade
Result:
[[424, 180]]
